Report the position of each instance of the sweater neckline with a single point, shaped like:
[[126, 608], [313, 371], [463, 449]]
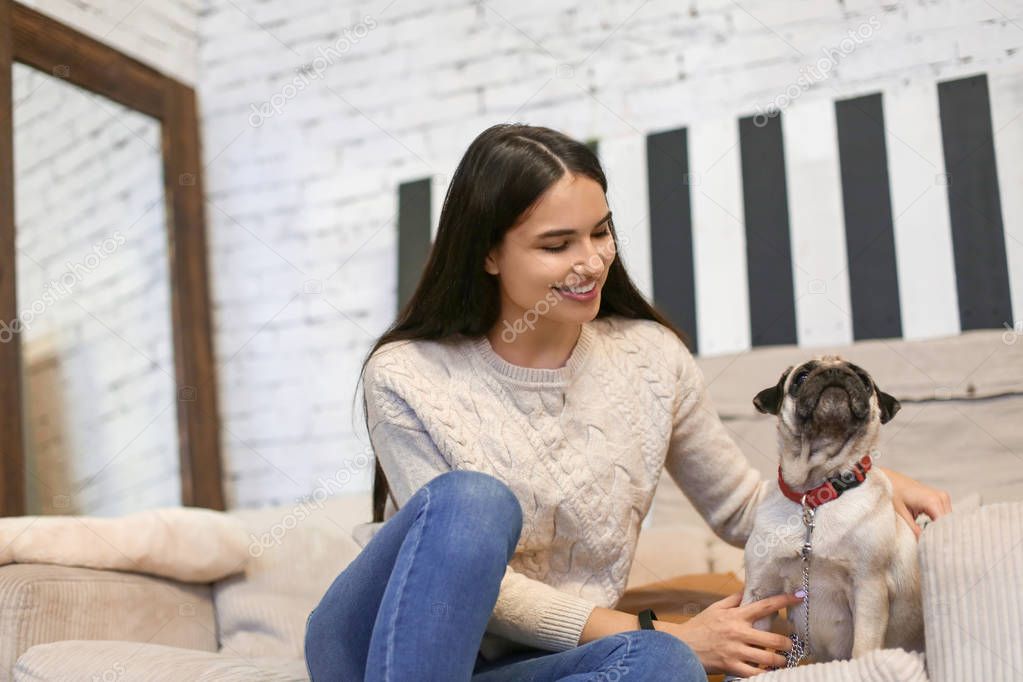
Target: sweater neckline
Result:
[[536, 375]]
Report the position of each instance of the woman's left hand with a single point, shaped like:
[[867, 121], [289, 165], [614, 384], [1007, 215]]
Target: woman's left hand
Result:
[[911, 498]]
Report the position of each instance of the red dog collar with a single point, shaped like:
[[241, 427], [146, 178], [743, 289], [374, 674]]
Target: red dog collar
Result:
[[829, 489]]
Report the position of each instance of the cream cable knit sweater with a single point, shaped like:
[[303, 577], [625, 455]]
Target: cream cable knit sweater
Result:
[[581, 446]]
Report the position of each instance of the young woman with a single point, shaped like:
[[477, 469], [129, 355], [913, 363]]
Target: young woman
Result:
[[521, 409]]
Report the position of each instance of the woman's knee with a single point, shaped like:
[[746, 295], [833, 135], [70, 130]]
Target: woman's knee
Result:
[[658, 650], [484, 499]]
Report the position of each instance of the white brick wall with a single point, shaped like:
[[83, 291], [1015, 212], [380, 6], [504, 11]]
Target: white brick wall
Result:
[[302, 202]]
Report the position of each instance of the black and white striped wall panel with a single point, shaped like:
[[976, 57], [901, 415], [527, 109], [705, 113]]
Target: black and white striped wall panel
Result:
[[897, 213]]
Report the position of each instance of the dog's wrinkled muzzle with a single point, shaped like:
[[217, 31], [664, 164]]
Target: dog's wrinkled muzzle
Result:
[[833, 397]]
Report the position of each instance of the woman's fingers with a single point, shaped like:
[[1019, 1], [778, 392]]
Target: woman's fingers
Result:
[[939, 506], [769, 640], [766, 607], [761, 657], [728, 602], [904, 512], [749, 641], [934, 510]]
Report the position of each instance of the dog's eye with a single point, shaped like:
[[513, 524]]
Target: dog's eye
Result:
[[800, 378]]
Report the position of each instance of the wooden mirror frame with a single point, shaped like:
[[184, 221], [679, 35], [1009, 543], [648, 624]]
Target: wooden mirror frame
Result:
[[36, 40]]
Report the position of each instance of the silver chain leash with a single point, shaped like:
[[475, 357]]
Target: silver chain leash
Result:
[[801, 646]]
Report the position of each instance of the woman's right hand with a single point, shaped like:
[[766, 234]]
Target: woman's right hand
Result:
[[723, 636]]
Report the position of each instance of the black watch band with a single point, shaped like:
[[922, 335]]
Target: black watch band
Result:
[[646, 619]]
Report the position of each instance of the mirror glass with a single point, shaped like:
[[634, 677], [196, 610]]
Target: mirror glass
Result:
[[93, 290]]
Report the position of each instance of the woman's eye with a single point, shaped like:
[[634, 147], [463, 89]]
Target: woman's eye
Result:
[[562, 247]]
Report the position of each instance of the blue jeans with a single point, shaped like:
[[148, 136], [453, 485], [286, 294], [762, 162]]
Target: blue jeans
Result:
[[416, 601]]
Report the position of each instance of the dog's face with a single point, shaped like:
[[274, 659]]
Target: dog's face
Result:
[[827, 399]]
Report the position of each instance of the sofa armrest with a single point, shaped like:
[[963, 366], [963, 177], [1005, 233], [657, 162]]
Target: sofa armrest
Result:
[[42, 603]]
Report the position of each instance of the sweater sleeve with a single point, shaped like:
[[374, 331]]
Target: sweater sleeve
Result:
[[706, 463], [527, 611]]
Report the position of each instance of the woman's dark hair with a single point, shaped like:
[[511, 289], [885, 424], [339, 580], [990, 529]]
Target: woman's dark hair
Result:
[[503, 173]]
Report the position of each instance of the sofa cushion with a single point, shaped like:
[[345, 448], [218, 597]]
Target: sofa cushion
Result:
[[972, 567], [882, 665], [42, 603], [184, 543], [134, 662], [296, 552]]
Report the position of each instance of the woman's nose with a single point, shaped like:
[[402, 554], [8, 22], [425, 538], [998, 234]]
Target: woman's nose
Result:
[[588, 271], [593, 264]]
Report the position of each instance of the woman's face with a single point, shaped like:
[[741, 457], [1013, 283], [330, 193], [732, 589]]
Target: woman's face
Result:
[[565, 241]]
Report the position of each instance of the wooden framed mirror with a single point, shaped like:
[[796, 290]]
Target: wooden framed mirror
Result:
[[89, 174]]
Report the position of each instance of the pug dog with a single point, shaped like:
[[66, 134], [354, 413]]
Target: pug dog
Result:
[[864, 580]]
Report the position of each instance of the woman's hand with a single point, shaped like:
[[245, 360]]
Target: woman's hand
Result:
[[912, 498], [723, 636]]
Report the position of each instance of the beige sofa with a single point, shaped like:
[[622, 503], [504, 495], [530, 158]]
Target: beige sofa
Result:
[[64, 623], [958, 430]]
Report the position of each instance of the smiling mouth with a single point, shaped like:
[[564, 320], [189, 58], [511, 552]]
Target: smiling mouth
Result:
[[579, 289]]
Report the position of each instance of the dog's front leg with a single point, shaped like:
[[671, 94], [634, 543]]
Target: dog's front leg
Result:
[[870, 614], [761, 582]]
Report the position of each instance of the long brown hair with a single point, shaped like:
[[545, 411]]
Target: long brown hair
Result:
[[502, 174]]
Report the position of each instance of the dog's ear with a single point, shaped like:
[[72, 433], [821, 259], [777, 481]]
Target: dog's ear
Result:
[[887, 404], [769, 400]]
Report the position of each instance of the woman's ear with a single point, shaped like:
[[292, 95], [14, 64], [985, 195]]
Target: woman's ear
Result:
[[490, 264]]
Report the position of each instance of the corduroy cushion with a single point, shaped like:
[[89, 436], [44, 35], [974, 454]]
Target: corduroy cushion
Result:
[[882, 665], [43, 603], [134, 662], [972, 565]]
